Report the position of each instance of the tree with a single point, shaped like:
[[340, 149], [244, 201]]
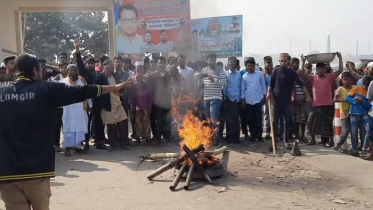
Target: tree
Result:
[[48, 33]]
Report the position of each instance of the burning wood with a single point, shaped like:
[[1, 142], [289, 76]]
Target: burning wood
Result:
[[198, 166], [171, 164], [196, 137]]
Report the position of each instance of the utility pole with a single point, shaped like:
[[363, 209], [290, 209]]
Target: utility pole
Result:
[[357, 48]]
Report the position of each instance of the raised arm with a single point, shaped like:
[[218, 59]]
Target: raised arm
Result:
[[302, 72], [63, 95], [79, 61], [340, 70]]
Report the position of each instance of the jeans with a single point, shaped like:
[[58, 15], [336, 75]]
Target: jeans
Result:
[[368, 133], [358, 122], [267, 122], [212, 110], [285, 113], [222, 118], [254, 116], [346, 129]]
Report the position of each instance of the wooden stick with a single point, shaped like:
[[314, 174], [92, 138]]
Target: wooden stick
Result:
[[216, 152], [178, 177], [163, 155], [198, 166], [171, 164], [189, 177], [274, 145]]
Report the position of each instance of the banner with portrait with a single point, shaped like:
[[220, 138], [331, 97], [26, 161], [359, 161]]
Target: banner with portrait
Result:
[[152, 26], [219, 35]]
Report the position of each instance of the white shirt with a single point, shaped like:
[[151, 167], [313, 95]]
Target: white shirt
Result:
[[165, 47], [188, 74], [130, 47]]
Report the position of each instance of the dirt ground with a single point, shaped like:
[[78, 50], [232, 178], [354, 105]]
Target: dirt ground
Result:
[[319, 179]]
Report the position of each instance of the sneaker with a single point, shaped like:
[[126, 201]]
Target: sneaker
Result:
[[267, 136]]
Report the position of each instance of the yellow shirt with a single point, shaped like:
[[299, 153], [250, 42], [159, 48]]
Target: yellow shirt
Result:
[[345, 106]]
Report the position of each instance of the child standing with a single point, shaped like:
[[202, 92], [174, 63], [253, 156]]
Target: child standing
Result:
[[340, 96], [359, 112]]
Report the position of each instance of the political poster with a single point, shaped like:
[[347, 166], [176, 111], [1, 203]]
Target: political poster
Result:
[[152, 26], [219, 35]]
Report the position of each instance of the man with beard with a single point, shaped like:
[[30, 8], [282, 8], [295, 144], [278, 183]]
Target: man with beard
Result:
[[75, 118], [27, 157], [165, 45], [267, 71], [112, 110], [320, 120], [9, 63], [87, 71], [129, 42], [148, 46], [280, 89], [47, 70]]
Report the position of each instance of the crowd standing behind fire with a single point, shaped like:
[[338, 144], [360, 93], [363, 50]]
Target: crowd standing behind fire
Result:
[[152, 94]]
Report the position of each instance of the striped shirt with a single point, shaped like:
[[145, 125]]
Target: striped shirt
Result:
[[213, 90]]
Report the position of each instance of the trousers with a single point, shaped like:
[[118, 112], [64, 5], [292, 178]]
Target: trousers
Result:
[[24, 195]]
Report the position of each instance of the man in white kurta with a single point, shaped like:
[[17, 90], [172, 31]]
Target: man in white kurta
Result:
[[75, 118]]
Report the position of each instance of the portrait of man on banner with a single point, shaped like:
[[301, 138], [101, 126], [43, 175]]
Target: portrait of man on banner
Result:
[[152, 26]]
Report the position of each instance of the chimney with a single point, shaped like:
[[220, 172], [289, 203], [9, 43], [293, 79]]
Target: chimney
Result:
[[328, 45]]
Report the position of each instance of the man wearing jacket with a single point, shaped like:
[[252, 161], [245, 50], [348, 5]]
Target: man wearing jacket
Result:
[[26, 132], [88, 72]]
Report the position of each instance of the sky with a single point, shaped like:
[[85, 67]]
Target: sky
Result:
[[272, 26]]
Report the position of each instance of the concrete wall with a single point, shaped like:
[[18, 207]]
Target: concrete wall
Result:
[[9, 19], [8, 34]]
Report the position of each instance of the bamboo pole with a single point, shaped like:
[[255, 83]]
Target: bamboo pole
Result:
[[171, 164], [189, 177], [178, 177], [274, 145], [163, 155]]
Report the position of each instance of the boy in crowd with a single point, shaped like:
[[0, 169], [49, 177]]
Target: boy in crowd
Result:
[[340, 96], [359, 112]]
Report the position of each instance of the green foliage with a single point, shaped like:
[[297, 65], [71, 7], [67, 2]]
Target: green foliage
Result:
[[48, 33]]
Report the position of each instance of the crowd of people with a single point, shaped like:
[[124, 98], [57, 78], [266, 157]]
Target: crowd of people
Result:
[[229, 96], [86, 94]]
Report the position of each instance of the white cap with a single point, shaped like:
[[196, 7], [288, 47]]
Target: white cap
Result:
[[370, 65]]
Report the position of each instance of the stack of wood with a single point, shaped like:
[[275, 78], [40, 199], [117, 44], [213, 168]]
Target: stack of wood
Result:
[[190, 162]]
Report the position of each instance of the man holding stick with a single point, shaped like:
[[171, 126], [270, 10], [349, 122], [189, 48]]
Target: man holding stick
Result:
[[279, 92]]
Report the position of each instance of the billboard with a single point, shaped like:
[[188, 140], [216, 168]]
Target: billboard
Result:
[[152, 26], [219, 35]]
